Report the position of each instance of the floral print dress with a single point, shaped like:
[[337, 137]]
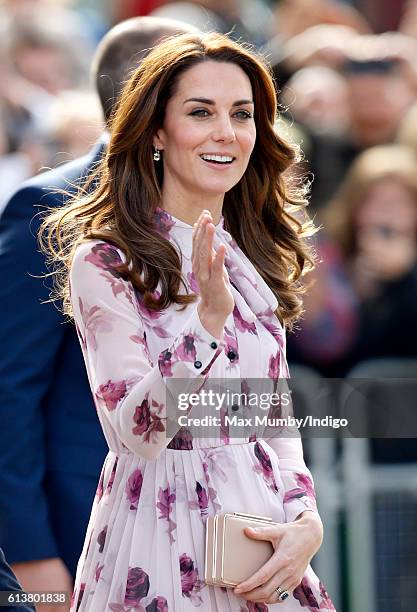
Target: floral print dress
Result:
[[144, 547]]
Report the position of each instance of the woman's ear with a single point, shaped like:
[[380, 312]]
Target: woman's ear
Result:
[[158, 140]]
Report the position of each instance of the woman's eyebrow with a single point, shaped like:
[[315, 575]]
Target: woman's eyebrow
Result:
[[212, 103]]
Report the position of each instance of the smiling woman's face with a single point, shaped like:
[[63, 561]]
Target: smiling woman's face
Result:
[[209, 132]]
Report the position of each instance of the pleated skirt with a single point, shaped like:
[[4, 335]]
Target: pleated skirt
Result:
[[145, 544]]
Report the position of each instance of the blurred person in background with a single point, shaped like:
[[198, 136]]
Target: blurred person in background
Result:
[[37, 63], [370, 239], [43, 56], [9, 583], [385, 15], [292, 17], [373, 220], [190, 12], [311, 31], [318, 96], [407, 132], [74, 19], [250, 20], [330, 323], [125, 9], [76, 123], [321, 45], [380, 85], [24, 139], [18, 161], [51, 445], [408, 21]]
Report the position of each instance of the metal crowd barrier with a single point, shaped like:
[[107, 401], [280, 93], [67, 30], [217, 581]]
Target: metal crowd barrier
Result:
[[368, 508]]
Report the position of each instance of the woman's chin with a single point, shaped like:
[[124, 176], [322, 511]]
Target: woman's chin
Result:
[[216, 188]]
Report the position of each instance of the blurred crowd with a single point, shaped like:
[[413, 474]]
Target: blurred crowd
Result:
[[350, 92], [346, 73]]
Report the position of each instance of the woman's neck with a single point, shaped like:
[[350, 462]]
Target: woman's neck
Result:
[[187, 207]]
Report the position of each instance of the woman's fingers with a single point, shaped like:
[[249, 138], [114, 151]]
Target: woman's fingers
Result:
[[276, 563], [218, 272], [194, 241], [267, 592], [204, 253], [217, 266], [196, 232], [286, 585], [260, 577], [197, 237]]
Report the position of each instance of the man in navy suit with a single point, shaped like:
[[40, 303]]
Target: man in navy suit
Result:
[[51, 444], [8, 582]]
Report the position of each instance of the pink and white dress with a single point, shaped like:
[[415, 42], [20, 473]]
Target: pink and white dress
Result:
[[144, 548]]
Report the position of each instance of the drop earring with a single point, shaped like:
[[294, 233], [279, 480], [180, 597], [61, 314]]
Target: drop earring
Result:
[[156, 155]]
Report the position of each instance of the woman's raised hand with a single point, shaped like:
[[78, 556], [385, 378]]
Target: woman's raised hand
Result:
[[216, 299]]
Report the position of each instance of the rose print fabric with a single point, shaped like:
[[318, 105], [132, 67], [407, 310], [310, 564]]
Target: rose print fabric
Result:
[[144, 547]]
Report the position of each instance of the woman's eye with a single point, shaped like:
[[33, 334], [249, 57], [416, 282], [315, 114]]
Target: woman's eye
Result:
[[200, 112], [244, 115]]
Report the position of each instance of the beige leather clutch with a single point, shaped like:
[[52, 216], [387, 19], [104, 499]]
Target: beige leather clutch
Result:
[[231, 556]]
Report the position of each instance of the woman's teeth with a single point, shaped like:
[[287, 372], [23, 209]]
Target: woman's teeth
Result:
[[219, 159]]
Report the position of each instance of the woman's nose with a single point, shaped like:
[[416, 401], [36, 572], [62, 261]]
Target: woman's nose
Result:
[[223, 129]]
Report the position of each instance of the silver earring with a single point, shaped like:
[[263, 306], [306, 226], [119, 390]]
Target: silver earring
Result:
[[156, 155]]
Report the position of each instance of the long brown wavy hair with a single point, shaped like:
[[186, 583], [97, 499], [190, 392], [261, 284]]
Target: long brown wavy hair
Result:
[[264, 212]]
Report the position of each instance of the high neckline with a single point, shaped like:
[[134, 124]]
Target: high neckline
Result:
[[259, 298], [183, 224]]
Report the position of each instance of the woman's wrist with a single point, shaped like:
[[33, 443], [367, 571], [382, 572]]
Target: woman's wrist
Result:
[[214, 324], [313, 523]]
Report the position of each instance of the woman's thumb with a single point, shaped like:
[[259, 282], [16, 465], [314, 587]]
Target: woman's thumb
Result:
[[264, 532]]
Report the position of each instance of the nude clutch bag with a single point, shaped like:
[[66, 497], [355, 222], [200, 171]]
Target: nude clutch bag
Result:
[[231, 556]]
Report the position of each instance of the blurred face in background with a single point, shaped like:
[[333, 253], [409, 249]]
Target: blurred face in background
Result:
[[317, 96], [378, 103], [386, 233], [389, 206], [47, 67], [77, 122], [19, 8]]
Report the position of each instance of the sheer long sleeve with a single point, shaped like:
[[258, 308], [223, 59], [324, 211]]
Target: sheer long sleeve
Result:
[[128, 388], [299, 493]]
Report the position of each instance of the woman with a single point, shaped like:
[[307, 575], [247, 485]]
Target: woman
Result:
[[163, 287]]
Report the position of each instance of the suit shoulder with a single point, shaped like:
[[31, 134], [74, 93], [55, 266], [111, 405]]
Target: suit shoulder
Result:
[[50, 186]]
